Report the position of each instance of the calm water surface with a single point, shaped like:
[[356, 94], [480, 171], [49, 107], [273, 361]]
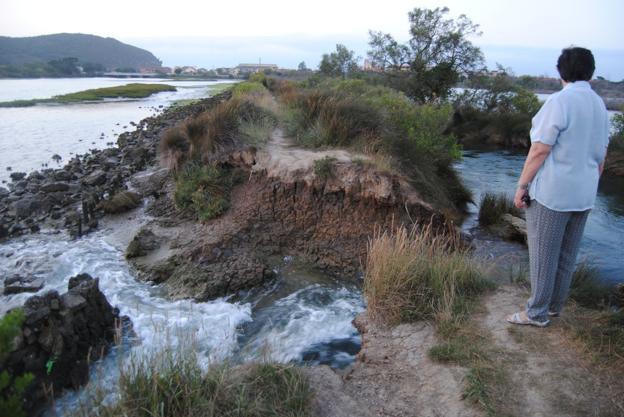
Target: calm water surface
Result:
[[603, 241], [30, 136]]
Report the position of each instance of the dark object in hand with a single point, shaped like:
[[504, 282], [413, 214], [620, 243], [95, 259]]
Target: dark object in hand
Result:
[[526, 199]]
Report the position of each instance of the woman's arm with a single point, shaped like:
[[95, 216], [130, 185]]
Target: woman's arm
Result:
[[537, 154]]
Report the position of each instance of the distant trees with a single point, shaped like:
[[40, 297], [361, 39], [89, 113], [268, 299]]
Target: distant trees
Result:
[[437, 55], [339, 63], [64, 67], [302, 66]]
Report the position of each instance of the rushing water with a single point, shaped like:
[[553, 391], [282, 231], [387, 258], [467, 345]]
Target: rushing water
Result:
[[30, 136], [301, 316], [603, 241]]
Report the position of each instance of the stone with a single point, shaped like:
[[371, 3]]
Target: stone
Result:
[[143, 242], [17, 176], [67, 328], [72, 301], [26, 206], [515, 228], [55, 187], [62, 175], [18, 284], [97, 177]]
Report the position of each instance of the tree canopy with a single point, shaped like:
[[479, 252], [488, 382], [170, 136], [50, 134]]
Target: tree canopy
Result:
[[437, 55], [339, 63]]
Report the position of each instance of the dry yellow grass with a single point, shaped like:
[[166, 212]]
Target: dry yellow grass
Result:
[[419, 274]]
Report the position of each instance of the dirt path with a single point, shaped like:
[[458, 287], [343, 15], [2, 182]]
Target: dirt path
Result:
[[548, 375], [394, 376], [283, 160]]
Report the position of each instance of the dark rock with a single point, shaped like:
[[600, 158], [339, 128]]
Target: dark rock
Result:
[[18, 284], [97, 177], [35, 176], [26, 206], [150, 183], [3, 193], [71, 329], [144, 242], [54, 187], [62, 175], [17, 176]]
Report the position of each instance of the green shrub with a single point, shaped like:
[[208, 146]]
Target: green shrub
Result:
[[247, 87], [203, 189], [323, 167], [616, 144], [11, 387], [493, 207], [378, 120]]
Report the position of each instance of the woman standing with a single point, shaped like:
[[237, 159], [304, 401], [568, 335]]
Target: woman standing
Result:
[[559, 181]]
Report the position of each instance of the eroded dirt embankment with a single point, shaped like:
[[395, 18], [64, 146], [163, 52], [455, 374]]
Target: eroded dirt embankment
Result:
[[284, 207]]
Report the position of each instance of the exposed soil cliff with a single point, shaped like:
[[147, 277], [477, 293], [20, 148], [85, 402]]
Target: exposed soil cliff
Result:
[[283, 208]]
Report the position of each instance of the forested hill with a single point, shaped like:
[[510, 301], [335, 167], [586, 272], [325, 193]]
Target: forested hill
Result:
[[108, 52]]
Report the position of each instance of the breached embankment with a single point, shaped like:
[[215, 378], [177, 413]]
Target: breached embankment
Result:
[[283, 208]]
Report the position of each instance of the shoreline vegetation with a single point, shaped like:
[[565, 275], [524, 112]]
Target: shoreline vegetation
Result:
[[131, 91]]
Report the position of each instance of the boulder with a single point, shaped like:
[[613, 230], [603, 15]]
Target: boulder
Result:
[[54, 187], [514, 228], [144, 242], [18, 284], [97, 177], [26, 206], [61, 335], [151, 182]]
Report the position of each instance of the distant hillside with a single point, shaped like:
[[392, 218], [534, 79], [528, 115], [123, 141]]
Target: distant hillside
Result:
[[108, 52]]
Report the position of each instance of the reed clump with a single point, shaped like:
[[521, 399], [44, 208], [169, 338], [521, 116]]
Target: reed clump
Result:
[[418, 273], [493, 207]]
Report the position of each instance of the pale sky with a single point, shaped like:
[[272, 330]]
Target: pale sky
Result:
[[274, 27]]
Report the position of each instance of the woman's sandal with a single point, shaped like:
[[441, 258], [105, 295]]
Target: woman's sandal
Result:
[[517, 318]]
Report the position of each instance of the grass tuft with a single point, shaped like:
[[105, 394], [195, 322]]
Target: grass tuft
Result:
[[587, 289], [418, 274], [493, 207]]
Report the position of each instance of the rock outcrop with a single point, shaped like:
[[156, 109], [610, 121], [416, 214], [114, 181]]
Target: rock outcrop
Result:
[[61, 334]]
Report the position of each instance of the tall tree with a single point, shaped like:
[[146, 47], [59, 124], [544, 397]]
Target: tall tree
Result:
[[339, 63], [435, 57]]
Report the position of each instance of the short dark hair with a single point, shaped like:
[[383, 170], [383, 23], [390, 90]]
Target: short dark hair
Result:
[[576, 64]]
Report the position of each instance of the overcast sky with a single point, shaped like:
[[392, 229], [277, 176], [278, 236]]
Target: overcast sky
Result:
[[527, 34]]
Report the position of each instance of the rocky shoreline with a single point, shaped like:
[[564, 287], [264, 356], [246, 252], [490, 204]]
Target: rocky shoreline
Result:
[[70, 198]]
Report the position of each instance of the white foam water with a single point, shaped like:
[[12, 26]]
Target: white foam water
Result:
[[299, 317]]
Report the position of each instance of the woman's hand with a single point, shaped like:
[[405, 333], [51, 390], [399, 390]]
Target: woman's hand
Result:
[[520, 193]]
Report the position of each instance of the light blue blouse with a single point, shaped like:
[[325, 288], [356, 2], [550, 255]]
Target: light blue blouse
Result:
[[575, 122]]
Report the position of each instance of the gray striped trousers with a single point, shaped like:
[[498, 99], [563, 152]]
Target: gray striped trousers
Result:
[[553, 238]]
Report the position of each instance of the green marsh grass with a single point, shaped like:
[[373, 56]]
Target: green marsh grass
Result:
[[134, 90]]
